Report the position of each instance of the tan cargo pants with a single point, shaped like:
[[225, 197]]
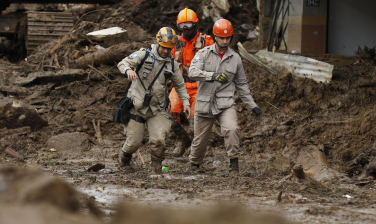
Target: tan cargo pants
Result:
[[228, 121], [158, 126]]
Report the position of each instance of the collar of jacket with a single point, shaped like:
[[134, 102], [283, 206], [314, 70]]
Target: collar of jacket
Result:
[[154, 50], [229, 52]]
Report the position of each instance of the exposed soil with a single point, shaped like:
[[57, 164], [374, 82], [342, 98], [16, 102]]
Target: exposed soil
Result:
[[328, 129]]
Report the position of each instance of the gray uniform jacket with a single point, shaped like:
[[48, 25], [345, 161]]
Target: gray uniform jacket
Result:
[[147, 73], [213, 97]]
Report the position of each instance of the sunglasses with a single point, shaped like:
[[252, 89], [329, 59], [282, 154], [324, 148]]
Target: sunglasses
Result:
[[185, 26]]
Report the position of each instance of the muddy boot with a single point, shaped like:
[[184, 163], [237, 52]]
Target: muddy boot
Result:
[[184, 141], [125, 162], [234, 165], [156, 166], [196, 168], [179, 150], [157, 152]]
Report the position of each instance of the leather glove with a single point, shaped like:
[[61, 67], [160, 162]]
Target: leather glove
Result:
[[258, 113], [220, 77]]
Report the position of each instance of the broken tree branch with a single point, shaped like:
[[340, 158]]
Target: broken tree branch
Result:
[[97, 129], [13, 153], [142, 159], [243, 52], [56, 61], [98, 72], [272, 105]]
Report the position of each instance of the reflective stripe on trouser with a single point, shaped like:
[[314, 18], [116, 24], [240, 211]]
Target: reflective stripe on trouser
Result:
[[228, 121], [158, 127], [176, 104]]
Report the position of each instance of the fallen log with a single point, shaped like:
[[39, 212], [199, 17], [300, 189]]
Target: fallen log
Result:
[[107, 56], [15, 90], [52, 76], [18, 131]]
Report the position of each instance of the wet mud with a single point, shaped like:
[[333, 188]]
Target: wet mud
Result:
[[325, 129]]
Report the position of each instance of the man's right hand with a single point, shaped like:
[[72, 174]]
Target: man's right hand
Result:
[[131, 75], [220, 77]]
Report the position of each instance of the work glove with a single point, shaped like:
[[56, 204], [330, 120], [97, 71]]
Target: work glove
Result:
[[220, 77], [258, 113]]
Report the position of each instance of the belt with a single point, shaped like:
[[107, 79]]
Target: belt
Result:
[[187, 79], [137, 118]]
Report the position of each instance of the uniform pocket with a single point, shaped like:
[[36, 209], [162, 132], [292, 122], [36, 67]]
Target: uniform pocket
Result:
[[231, 69], [224, 100], [202, 104], [209, 67]]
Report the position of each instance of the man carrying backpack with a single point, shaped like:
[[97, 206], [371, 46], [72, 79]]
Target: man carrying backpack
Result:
[[148, 93], [191, 41]]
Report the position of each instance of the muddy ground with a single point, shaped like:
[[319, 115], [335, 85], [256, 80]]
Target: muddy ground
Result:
[[327, 129]]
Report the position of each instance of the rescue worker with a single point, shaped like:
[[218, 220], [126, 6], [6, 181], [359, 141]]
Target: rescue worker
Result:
[[219, 71], [189, 43], [150, 98]]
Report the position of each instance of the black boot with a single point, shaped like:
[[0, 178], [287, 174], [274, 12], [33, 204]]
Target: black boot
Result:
[[125, 161], [234, 165]]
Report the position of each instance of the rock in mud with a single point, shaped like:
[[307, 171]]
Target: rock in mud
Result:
[[15, 114], [69, 141]]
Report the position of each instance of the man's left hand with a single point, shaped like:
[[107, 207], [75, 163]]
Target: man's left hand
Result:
[[187, 111]]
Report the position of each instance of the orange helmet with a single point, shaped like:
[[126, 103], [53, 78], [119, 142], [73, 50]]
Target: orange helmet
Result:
[[166, 37], [223, 28], [187, 15]]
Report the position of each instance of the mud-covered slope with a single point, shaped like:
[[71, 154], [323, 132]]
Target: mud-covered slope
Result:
[[298, 112]]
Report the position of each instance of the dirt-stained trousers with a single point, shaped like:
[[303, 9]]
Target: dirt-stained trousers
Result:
[[158, 126], [228, 120]]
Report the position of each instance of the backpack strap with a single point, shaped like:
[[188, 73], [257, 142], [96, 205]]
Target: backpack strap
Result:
[[138, 68], [155, 78], [172, 64]]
